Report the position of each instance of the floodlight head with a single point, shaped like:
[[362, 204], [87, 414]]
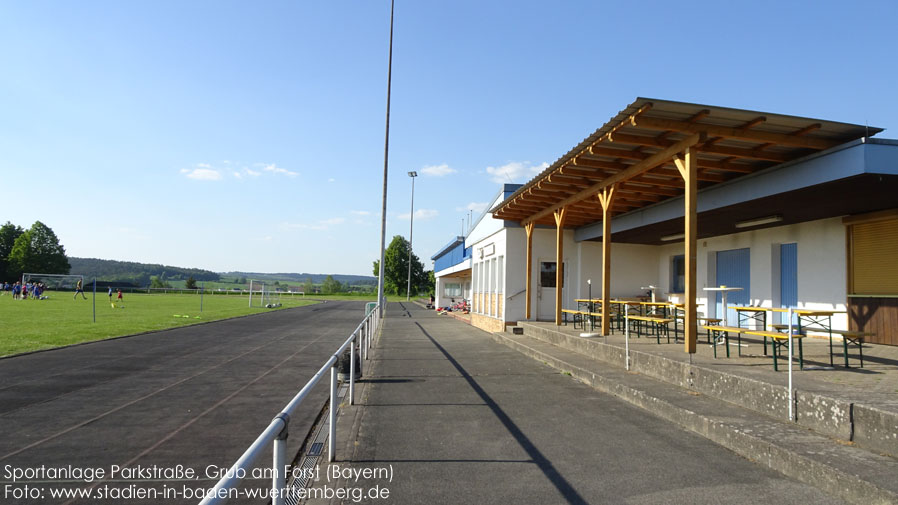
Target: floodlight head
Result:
[[413, 174], [589, 281]]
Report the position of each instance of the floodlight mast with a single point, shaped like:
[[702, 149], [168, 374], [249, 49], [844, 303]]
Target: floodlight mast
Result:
[[383, 213], [411, 228]]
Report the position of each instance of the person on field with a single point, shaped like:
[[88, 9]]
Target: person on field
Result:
[[119, 297], [110, 294], [79, 289]]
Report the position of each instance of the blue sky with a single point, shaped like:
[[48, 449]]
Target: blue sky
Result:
[[249, 136]]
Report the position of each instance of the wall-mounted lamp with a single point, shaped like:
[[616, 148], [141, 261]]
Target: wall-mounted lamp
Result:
[[758, 222]]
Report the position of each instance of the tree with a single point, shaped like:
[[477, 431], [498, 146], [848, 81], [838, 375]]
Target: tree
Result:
[[307, 286], [38, 250], [396, 271], [331, 286], [158, 283], [431, 286], [8, 235], [191, 283]]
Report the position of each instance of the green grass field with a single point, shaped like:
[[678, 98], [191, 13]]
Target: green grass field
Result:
[[30, 325]]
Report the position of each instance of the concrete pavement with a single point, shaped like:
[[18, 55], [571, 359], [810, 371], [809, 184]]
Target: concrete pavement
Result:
[[447, 415]]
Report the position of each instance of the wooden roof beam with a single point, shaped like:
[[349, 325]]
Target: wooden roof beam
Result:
[[649, 190], [755, 154], [635, 170], [807, 129], [754, 122], [707, 147], [739, 133]]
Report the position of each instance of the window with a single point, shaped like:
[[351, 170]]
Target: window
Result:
[[452, 289], [678, 274], [501, 272], [547, 274]]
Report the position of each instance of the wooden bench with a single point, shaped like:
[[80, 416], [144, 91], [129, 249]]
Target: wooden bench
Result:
[[778, 340], [577, 317], [848, 337], [655, 323]]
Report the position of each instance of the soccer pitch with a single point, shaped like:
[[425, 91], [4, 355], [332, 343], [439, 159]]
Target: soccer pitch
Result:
[[30, 325]]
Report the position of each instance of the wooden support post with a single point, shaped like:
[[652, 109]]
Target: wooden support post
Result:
[[605, 198], [688, 170], [529, 229], [559, 261]]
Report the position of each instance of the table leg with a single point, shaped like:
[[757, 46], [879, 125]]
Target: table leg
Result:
[[845, 350]]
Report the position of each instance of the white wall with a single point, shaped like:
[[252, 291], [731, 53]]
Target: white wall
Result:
[[632, 267], [822, 265]]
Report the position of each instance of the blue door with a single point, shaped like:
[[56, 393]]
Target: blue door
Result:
[[733, 270], [788, 276]]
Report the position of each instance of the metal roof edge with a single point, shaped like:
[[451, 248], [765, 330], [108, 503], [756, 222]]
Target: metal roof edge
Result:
[[452, 243]]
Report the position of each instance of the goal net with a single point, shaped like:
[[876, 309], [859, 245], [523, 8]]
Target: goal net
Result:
[[263, 295], [271, 298], [54, 282]]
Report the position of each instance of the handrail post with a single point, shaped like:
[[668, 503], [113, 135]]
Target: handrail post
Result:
[[279, 476], [352, 372], [367, 338], [332, 417]]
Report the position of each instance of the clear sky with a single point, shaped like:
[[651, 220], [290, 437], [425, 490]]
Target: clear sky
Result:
[[235, 135]]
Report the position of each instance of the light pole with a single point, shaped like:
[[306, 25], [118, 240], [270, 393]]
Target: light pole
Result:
[[411, 228], [383, 213]]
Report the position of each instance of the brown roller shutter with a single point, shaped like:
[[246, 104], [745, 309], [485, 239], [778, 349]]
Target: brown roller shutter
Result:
[[874, 258]]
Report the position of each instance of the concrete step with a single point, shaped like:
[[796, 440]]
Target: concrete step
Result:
[[837, 417], [851, 473]]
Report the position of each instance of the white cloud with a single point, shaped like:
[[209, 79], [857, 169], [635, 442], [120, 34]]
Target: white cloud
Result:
[[334, 220], [238, 175], [421, 214], [515, 171], [332, 180], [273, 168], [438, 170], [202, 173], [475, 206], [360, 212]]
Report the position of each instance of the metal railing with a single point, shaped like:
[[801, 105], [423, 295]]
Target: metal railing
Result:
[[276, 432]]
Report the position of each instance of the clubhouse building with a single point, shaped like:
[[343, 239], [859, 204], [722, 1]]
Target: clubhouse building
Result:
[[674, 198]]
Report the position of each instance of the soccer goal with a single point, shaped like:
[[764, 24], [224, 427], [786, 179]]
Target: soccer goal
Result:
[[54, 282], [265, 296], [271, 298]]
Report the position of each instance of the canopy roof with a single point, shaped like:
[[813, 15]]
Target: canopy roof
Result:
[[635, 150]]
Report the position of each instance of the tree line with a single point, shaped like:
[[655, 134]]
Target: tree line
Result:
[[139, 274], [36, 249]]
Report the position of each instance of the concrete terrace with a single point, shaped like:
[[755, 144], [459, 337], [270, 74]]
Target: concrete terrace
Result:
[[463, 419]]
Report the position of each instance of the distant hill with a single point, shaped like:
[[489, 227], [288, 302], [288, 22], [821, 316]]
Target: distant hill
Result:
[[136, 274], [316, 278]]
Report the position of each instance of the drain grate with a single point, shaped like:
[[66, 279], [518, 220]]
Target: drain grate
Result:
[[316, 449]]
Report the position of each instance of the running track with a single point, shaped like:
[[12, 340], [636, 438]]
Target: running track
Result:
[[194, 396]]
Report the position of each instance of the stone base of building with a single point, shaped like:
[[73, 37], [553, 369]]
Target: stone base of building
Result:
[[487, 323]]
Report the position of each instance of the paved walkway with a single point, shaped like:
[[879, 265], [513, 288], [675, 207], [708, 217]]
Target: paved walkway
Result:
[[447, 415]]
